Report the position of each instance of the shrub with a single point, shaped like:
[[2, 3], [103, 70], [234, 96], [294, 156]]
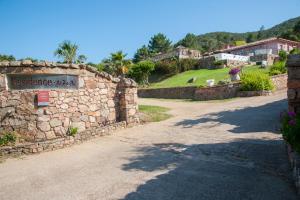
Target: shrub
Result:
[[256, 81], [166, 67], [275, 72], [295, 51], [278, 67], [7, 138], [187, 64], [72, 131], [174, 66], [141, 71], [219, 62], [290, 129], [282, 55]]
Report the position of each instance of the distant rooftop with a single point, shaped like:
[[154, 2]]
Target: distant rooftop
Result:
[[258, 43]]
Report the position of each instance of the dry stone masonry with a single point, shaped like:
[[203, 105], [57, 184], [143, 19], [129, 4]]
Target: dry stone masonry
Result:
[[79, 97], [293, 65], [226, 91], [293, 93]]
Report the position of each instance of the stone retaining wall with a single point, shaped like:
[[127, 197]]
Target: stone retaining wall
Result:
[[216, 92], [293, 65], [209, 93], [293, 93], [280, 81], [58, 143], [168, 93], [99, 101]]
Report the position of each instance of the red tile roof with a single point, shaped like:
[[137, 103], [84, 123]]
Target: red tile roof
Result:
[[258, 43]]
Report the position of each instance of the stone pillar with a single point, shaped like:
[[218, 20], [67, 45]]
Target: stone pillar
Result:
[[293, 64], [128, 101], [2, 82]]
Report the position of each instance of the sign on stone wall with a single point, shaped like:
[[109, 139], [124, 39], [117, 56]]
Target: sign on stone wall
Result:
[[42, 81], [43, 98]]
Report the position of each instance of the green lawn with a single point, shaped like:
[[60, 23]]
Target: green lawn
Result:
[[154, 113], [180, 80]]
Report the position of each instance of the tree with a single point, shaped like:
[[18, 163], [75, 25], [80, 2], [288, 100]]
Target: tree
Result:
[[141, 71], [142, 53], [290, 35], [81, 59], [4, 57], [67, 51], [116, 64], [250, 38], [189, 41], [296, 28], [260, 32], [159, 43]]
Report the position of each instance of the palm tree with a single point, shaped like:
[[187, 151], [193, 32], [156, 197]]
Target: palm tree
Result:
[[119, 63], [67, 51]]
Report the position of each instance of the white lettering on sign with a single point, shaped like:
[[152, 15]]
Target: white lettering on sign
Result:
[[42, 81]]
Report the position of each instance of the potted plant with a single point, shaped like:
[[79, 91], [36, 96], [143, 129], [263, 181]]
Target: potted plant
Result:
[[234, 74]]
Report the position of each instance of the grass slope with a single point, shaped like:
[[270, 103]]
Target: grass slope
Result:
[[180, 80]]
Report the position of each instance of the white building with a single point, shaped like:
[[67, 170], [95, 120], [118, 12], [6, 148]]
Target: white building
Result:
[[227, 56]]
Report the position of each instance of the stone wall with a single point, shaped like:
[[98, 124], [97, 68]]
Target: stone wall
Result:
[[100, 101], [293, 93], [293, 64], [217, 92], [280, 81], [168, 93], [208, 93], [58, 143]]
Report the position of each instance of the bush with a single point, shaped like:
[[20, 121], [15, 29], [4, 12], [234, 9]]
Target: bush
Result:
[[7, 138], [187, 64], [282, 55], [278, 67], [141, 71], [219, 62], [290, 129], [174, 66], [275, 72], [295, 51], [256, 81], [166, 67]]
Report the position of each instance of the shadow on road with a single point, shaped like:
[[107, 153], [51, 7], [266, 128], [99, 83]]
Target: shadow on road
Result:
[[246, 120], [242, 169]]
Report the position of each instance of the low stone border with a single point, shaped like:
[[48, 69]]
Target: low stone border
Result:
[[226, 91], [254, 93], [294, 159], [58, 143]]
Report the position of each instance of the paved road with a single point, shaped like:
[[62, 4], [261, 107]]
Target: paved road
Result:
[[213, 150]]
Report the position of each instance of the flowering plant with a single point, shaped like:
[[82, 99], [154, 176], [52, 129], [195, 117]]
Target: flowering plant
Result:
[[234, 71], [290, 128]]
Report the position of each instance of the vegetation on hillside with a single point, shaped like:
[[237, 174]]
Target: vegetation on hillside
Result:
[[289, 29], [201, 75]]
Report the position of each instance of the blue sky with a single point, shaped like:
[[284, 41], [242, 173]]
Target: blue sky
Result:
[[34, 28]]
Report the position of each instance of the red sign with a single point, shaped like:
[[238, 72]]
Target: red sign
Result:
[[43, 98]]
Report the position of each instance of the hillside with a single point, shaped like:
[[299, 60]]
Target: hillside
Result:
[[216, 40], [201, 75]]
